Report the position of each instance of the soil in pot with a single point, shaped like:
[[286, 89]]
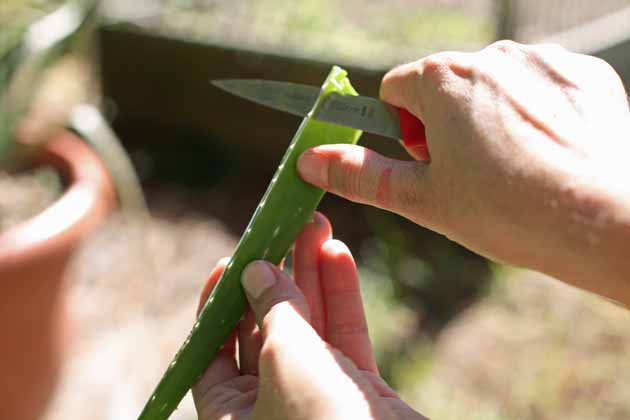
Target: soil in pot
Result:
[[26, 194]]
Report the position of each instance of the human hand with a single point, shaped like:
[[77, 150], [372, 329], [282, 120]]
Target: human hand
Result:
[[311, 357], [529, 149]]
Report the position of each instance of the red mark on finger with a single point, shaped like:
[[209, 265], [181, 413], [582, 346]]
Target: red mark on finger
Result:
[[383, 192]]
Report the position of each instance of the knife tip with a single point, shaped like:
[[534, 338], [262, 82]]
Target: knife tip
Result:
[[228, 85]]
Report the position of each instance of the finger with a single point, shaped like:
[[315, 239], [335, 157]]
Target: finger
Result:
[[250, 340], [213, 279], [413, 86], [346, 326], [249, 344], [273, 297], [223, 368], [422, 88], [294, 360], [364, 176], [401, 87], [270, 291], [229, 347], [379, 384], [306, 266], [402, 410], [229, 398]]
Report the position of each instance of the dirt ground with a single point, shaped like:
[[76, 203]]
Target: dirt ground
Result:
[[133, 297], [532, 350], [535, 349], [26, 194]]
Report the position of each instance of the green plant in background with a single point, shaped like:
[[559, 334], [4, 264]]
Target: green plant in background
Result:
[[26, 52], [92, 126], [285, 208], [430, 274], [29, 49], [369, 33]]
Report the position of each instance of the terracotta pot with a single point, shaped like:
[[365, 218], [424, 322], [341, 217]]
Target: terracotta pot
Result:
[[33, 260]]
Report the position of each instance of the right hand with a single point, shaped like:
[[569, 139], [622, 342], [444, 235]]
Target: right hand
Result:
[[529, 148]]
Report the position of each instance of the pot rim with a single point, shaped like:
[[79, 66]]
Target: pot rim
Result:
[[89, 195]]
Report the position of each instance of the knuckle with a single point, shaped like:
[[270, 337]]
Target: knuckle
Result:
[[277, 347], [550, 46], [273, 303], [396, 84], [546, 55], [506, 46], [436, 67], [283, 312], [441, 71], [400, 73]]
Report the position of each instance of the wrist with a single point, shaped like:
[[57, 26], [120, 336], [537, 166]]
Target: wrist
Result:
[[595, 240]]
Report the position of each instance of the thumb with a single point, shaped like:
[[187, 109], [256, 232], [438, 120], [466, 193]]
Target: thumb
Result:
[[364, 176], [275, 299], [300, 375]]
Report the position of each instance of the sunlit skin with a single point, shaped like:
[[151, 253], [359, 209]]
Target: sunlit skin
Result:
[[304, 349], [529, 148]]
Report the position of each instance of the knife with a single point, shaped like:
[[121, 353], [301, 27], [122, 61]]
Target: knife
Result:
[[360, 112]]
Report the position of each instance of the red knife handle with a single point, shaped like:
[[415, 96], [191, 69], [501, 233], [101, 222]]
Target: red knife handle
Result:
[[413, 135]]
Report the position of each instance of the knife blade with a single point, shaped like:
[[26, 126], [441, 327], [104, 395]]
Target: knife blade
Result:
[[360, 112]]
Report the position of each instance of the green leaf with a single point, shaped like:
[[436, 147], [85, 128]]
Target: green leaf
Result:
[[94, 129], [287, 205], [25, 54]]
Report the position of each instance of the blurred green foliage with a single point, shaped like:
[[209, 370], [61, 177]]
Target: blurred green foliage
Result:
[[531, 349], [34, 35], [431, 275], [16, 15], [369, 33]]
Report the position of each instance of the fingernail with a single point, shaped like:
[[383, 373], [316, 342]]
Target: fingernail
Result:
[[223, 261], [420, 152], [318, 219], [256, 278], [313, 169]]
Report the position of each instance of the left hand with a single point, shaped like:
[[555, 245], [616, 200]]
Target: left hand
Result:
[[311, 358]]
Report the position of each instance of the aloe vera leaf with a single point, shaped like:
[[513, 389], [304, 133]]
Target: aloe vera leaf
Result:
[[287, 205], [29, 54], [92, 126]]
